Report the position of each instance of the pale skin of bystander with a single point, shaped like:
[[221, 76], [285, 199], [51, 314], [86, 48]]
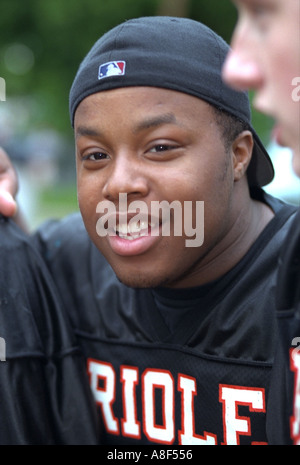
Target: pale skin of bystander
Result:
[[265, 57]]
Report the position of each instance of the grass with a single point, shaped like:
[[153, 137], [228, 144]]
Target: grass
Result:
[[54, 203]]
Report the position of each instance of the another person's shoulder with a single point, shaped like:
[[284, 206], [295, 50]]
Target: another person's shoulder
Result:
[[28, 298], [288, 296], [63, 235], [12, 237], [71, 227]]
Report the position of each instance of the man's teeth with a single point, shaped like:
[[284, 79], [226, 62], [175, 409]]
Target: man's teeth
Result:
[[132, 230]]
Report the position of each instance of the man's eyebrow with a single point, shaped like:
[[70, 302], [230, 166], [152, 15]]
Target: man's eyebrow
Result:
[[155, 121], [145, 124], [87, 131]]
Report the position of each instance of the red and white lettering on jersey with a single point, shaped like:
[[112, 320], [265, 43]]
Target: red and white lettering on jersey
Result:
[[130, 425], [232, 397], [151, 381], [103, 381], [103, 384], [187, 435], [295, 420]]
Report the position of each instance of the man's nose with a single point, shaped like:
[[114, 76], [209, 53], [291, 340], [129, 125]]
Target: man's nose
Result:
[[240, 72], [126, 175], [241, 69]]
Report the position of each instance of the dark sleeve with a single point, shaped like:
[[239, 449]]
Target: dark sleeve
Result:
[[44, 391], [284, 424]]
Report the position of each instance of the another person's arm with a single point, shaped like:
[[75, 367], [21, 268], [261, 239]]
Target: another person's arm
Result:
[[8, 190]]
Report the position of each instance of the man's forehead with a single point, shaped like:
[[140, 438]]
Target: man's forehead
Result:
[[152, 106]]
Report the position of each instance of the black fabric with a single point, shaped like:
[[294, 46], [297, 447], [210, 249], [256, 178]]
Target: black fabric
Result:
[[223, 348], [145, 48], [174, 304], [286, 379], [44, 392], [288, 290]]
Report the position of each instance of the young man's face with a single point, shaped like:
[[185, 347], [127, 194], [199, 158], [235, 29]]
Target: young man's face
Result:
[[153, 145], [266, 57]]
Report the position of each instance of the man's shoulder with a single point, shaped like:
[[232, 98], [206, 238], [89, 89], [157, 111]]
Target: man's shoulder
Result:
[[284, 214], [279, 206]]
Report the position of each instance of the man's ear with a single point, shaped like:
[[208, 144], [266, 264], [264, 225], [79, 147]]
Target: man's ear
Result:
[[242, 148]]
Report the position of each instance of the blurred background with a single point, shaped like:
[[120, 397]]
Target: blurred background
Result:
[[42, 43]]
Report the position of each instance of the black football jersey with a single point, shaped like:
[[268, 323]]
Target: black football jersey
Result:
[[285, 392], [44, 392], [205, 381]]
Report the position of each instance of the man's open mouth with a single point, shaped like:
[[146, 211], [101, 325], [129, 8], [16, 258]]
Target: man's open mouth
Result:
[[134, 228]]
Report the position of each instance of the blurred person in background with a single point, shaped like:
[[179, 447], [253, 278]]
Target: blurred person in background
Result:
[[265, 57]]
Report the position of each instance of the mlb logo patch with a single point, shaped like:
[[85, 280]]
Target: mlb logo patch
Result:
[[112, 68]]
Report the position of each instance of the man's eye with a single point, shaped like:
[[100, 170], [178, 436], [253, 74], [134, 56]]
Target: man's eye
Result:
[[260, 9], [161, 148], [95, 156]]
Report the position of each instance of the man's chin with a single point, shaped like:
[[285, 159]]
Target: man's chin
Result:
[[141, 281], [138, 283]]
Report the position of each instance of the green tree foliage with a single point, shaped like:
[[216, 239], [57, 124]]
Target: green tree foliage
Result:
[[58, 33]]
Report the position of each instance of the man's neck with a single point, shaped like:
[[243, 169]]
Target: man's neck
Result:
[[246, 227]]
